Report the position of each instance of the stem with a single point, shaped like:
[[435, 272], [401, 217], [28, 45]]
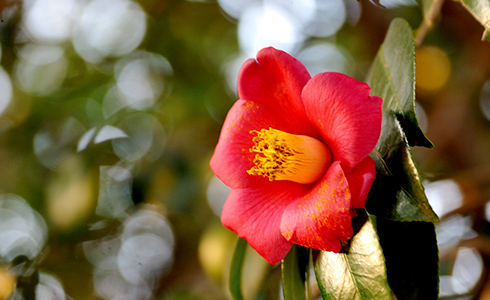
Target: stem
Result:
[[307, 281], [430, 16], [236, 267], [293, 270]]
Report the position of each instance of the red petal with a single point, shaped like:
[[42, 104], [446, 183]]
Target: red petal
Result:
[[322, 217], [360, 180], [255, 214], [232, 157], [348, 119], [276, 78]]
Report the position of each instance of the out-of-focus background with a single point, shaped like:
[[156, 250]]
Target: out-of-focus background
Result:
[[110, 111]]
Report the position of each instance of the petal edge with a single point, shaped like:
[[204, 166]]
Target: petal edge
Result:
[[347, 117]]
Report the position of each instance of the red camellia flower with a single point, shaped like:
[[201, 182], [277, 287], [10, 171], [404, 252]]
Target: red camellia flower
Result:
[[295, 152]]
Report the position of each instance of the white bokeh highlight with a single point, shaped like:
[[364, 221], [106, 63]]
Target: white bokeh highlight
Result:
[[7, 90], [269, 25], [109, 28], [40, 69], [22, 229], [444, 196], [50, 21]]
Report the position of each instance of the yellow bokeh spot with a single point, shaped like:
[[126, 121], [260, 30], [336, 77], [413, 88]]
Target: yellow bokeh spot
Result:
[[7, 283], [70, 195], [213, 250], [433, 69]]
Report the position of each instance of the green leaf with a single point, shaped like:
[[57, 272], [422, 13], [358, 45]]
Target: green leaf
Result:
[[397, 193], [293, 270], [411, 253], [358, 274], [480, 9], [392, 77], [235, 283]]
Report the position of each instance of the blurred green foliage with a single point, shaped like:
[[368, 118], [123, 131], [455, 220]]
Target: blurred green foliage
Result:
[[56, 235]]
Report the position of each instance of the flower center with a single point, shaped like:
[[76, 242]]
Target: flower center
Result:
[[285, 156]]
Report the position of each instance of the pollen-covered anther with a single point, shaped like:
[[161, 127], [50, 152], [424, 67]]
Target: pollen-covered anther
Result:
[[284, 156]]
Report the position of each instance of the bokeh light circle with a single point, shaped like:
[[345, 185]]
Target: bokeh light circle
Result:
[[269, 25], [40, 69], [7, 90], [50, 20], [146, 137], [109, 28], [139, 264], [22, 230]]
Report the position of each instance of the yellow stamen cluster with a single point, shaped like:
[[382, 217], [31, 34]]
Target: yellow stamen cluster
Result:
[[285, 156], [278, 158]]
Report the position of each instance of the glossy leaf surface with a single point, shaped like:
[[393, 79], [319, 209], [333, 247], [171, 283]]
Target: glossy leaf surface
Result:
[[411, 254], [480, 9], [397, 193], [392, 77], [397, 196], [358, 274], [293, 269]]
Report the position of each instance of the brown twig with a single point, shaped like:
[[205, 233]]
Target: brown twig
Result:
[[430, 16]]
